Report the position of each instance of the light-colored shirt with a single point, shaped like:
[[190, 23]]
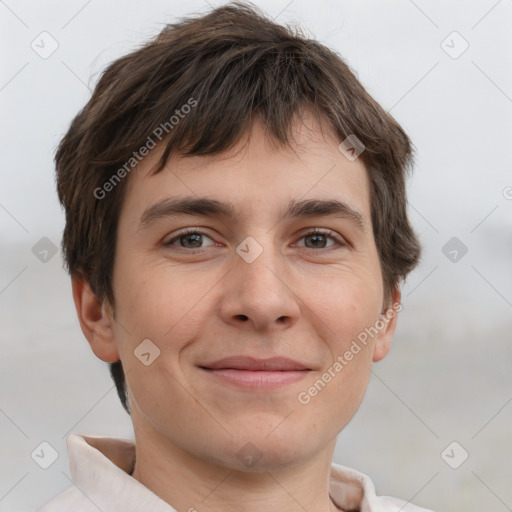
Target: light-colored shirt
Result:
[[100, 470]]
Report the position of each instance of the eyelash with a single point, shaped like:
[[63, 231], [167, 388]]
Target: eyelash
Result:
[[315, 231]]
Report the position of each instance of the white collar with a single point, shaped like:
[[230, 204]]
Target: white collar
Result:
[[100, 469]]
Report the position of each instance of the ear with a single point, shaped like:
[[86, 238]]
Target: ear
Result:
[[389, 318], [95, 320]]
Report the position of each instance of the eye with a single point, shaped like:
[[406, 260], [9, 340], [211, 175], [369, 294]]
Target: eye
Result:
[[192, 238], [317, 239], [189, 238]]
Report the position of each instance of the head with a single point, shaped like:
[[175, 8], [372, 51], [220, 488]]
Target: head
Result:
[[235, 122]]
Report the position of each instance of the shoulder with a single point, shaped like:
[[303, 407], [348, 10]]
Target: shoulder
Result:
[[354, 490], [70, 500], [390, 504]]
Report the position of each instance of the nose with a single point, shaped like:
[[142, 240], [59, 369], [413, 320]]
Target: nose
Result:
[[259, 295]]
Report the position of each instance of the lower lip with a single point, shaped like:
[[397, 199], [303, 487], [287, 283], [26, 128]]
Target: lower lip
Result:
[[258, 379]]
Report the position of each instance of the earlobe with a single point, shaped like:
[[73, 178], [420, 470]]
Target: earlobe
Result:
[[95, 320], [385, 336]]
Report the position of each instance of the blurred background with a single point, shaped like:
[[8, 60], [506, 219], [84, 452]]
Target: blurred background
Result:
[[435, 425]]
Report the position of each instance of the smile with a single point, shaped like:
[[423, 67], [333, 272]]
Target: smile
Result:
[[257, 379]]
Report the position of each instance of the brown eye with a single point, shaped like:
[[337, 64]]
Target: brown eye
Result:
[[188, 239], [318, 239], [192, 241]]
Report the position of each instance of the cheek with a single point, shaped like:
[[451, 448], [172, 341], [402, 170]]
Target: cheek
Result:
[[347, 303], [168, 307], [348, 306], [161, 301]]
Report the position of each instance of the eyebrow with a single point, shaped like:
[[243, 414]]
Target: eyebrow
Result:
[[204, 206]]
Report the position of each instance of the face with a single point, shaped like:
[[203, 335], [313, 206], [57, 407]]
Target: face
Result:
[[255, 287]]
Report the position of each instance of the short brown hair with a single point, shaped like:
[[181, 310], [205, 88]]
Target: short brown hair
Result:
[[235, 64]]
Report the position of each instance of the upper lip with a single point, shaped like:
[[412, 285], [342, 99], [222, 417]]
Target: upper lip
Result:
[[252, 363]]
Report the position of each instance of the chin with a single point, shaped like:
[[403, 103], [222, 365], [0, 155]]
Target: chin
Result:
[[261, 451]]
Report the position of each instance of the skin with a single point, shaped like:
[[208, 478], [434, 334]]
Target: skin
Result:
[[295, 300]]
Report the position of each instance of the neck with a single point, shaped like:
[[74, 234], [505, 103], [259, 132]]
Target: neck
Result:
[[190, 483]]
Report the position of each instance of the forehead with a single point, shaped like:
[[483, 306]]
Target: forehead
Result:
[[256, 176]]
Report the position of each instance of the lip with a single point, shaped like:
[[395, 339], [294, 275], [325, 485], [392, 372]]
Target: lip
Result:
[[257, 374], [272, 364]]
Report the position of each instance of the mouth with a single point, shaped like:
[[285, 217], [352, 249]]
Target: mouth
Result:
[[274, 364], [257, 374]]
